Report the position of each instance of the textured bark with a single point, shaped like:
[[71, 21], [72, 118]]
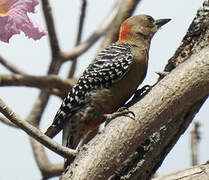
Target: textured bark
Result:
[[195, 173]]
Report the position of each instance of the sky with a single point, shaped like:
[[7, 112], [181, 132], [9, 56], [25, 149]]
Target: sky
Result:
[[34, 56]]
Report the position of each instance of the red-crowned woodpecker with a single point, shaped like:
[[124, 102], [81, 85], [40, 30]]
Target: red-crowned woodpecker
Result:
[[108, 82]]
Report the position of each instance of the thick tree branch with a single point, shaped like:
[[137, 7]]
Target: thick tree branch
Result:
[[140, 164], [195, 38], [193, 173], [35, 133], [185, 85], [51, 83]]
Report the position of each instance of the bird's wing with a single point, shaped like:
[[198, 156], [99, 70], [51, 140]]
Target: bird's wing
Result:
[[109, 66]]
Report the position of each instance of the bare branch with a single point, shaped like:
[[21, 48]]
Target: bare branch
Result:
[[193, 173], [54, 67], [35, 133], [80, 30], [51, 28], [7, 122], [46, 167], [43, 82], [34, 118], [195, 138], [179, 90], [83, 47], [10, 66]]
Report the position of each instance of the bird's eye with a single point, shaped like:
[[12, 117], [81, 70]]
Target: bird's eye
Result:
[[150, 19]]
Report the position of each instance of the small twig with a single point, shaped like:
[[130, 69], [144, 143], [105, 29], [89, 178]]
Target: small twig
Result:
[[193, 173], [83, 47], [195, 138], [47, 168], [51, 28], [10, 66], [35, 133], [80, 30], [6, 121]]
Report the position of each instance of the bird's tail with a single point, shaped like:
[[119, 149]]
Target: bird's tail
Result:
[[52, 131], [71, 140]]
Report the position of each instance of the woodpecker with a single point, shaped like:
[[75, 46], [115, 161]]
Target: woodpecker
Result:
[[108, 82]]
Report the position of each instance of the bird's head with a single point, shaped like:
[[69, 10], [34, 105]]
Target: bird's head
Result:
[[140, 28]]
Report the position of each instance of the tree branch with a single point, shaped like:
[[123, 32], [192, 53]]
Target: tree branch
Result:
[[195, 138], [10, 66], [48, 82], [83, 47], [42, 100], [193, 173], [7, 122], [184, 86], [78, 39], [35, 133], [50, 28], [47, 169], [140, 164]]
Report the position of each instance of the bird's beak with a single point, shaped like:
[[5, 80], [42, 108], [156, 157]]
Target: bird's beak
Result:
[[161, 22]]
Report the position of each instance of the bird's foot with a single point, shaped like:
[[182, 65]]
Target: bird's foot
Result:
[[126, 112], [162, 74], [123, 111]]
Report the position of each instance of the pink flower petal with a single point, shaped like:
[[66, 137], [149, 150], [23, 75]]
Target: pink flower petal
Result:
[[7, 29], [32, 30], [16, 20]]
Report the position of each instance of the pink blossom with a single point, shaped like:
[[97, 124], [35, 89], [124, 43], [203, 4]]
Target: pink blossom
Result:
[[14, 19]]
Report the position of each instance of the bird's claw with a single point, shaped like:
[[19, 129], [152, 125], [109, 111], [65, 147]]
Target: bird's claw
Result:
[[162, 74], [123, 111]]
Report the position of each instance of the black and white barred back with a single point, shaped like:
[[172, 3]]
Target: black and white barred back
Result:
[[108, 67]]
